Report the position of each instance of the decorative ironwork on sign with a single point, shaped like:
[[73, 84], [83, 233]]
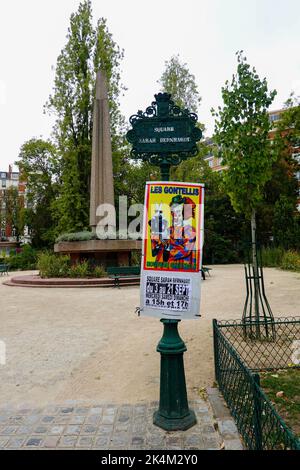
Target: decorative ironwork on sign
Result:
[[164, 133]]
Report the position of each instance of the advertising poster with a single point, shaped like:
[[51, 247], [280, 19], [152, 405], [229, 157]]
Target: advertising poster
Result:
[[172, 250]]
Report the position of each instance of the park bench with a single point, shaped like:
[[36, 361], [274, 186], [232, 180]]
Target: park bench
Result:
[[123, 272], [205, 270], [4, 269]]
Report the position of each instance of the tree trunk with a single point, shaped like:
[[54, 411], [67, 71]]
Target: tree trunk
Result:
[[255, 264]]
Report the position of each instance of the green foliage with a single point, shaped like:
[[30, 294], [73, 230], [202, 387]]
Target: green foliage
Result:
[[51, 265], [286, 224], [280, 258], [76, 237], [272, 256], [99, 271], [39, 166], [288, 404], [241, 131], [87, 49], [14, 213], [180, 83], [80, 269], [291, 261], [23, 260]]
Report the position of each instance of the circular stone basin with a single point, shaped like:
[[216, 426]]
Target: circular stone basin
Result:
[[36, 281]]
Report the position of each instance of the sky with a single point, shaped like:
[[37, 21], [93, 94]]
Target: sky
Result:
[[205, 33]]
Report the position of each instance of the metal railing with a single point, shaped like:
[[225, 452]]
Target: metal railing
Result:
[[237, 360]]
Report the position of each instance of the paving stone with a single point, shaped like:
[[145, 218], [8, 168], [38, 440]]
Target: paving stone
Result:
[[52, 410], [119, 439], [193, 440], [108, 419], [3, 442], [55, 430], [24, 430], [9, 430], [227, 428], [93, 419], [66, 410], [51, 442], [34, 442], [15, 443], [138, 428], [62, 419], [89, 429], [123, 419], [77, 419], [137, 440], [41, 430], [96, 410], [101, 441], [31, 419], [85, 441], [68, 441], [211, 443], [109, 427], [82, 410], [119, 427], [208, 429], [105, 429], [233, 444], [72, 430], [47, 419], [16, 420]]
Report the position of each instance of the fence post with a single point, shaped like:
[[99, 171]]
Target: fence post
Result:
[[216, 350], [257, 413]]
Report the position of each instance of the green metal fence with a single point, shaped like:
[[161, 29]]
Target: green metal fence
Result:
[[237, 360]]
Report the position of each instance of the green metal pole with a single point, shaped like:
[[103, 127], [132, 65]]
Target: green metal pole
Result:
[[173, 413]]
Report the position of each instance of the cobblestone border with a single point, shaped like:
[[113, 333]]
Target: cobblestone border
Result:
[[224, 422], [80, 426]]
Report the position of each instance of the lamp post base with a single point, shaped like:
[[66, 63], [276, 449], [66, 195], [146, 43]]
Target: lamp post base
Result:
[[173, 413], [175, 424]]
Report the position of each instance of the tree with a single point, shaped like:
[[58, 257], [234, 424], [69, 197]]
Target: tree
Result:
[[39, 166], [14, 211], [241, 131], [87, 49], [180, 83]]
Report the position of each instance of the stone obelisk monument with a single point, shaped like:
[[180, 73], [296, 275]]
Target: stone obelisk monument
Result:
[[102, 185]]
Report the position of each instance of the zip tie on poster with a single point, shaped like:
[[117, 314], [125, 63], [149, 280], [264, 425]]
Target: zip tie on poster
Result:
[[138, 310]]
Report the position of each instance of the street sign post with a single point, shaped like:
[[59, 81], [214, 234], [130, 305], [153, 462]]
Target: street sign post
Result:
[[165, 135]]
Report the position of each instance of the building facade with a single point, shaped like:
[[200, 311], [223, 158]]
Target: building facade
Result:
[[10, 180]]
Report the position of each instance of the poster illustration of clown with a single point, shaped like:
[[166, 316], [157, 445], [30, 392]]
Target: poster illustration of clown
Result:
[[172, 249]]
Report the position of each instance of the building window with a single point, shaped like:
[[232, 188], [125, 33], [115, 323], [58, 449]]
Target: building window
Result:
[[3, 183], [210, 163], [274, 117]]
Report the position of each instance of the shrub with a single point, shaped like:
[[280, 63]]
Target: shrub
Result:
[[52, 265], [81, 269], [26, 258], [76, 237], [291, 260], [272, 257], [99, 271]]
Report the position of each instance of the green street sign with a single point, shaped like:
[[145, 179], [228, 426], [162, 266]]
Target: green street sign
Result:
[[163, 129]]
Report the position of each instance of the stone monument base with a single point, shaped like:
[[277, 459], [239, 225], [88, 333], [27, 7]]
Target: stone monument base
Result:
[[102, 252]]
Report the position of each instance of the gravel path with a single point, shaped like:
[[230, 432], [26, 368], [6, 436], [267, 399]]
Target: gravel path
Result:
[[88, 344]]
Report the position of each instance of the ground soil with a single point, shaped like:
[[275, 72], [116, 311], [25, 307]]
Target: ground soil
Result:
[[89, 344]]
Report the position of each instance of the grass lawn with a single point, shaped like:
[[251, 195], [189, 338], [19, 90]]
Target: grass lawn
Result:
[[288, 403]]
